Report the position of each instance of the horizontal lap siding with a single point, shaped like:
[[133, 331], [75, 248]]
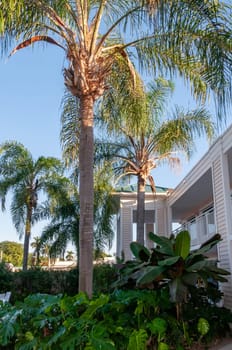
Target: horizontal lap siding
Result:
[[126, 226], [220, 215]]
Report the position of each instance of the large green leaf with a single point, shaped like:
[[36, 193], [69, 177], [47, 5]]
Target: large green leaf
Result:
[[197, 266], [164, 243], [94, 305], [8, 325], [205, 247], [150, 274], [158, 326], [137, 340], [163, 346], [139, 251], [190, 278], [212, 266], [203, 326], [182, 244], [169, 261]]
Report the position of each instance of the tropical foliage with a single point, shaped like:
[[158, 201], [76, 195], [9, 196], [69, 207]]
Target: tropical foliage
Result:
[[172, 263], [27, 178], [190, 38], [124, 320], [167, 279], [63, 226]]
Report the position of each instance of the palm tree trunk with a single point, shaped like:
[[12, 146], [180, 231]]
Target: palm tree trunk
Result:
[[86, 163], [140, 210], [27, 239]]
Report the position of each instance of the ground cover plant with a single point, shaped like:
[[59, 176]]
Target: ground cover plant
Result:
[[125, 319], [143, 313]]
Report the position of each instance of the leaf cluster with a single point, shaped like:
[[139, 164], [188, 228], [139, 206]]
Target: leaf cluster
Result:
[[172, 263]]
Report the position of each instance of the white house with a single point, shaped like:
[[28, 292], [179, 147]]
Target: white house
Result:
[[201, 203], [156, 216]]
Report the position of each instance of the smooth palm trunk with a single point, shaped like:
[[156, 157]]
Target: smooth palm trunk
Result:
[[27, 240], [26, 250], [140, 210], [86, 163]]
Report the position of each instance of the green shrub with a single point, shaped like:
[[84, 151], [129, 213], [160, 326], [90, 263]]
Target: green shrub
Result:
[[123, 320], [171, 263], [24, 283], [103, 277], [6, 278]]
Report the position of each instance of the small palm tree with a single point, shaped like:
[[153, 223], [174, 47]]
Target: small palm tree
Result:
[[27, 178], [70, 255], [138, 146], [46, 251], [36, 244], [64, 219]]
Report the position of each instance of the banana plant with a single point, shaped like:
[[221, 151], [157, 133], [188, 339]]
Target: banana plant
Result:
[[172, 263]]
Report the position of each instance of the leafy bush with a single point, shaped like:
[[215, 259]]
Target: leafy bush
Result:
[[173, 304], [6, 278], [24, 283], [171, 263], [103, 277], [123, 320]]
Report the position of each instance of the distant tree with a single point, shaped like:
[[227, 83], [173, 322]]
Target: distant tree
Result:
[[27, 178], [11, 252], [46, 253], [63, 227], [70, 255], [36, 244]]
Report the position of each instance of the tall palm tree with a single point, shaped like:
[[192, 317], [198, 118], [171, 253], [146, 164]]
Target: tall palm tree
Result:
[[27, 179], [191, 38], [137, 148]]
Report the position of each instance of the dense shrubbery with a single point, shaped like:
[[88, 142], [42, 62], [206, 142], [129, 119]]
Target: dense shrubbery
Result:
[[6, 278], [167, 300], [23, 283], [123, 320]]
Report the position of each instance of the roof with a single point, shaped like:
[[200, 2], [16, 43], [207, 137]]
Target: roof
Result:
[[133, 188]]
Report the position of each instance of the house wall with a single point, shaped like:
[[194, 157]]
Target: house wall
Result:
[[208, 183], [126, 228], [217, 162], [128, 203], [222, 209]]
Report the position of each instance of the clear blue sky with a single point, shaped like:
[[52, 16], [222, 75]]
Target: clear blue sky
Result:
[[31, 89]]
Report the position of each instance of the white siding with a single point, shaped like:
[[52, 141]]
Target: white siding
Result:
[[221, 194], [126, 232]]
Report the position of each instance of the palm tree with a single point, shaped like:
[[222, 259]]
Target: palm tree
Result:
[[191, 38], [64, 225], [46, 251], [137, 148], [27, 178], [36, 244], [70, 255]]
